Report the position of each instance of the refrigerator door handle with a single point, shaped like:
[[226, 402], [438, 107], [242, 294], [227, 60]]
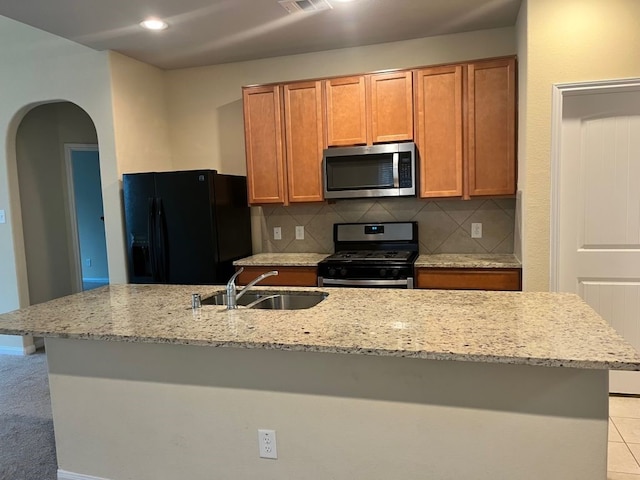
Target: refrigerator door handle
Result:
[[162, 254], [151, 232]]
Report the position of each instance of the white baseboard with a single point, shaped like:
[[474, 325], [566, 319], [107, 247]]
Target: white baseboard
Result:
[[64, 475], [28, 350], [96, 280]]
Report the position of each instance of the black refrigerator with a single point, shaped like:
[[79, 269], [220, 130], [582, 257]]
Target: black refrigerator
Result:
[[185, 227]]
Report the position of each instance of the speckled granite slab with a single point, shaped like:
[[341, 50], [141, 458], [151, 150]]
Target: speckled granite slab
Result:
[[468, 260], [528, 328], [282, 260]]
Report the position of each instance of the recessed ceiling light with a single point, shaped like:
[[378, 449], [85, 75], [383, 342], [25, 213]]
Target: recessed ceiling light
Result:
[[153, 24]]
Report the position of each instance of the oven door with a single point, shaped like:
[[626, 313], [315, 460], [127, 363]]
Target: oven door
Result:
[[345, 282]]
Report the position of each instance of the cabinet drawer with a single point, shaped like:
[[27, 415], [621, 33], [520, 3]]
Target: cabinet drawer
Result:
[[287, 276], [469, 278]]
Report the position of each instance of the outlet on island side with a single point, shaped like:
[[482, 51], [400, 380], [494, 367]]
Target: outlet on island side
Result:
[[267, 444], [476, 230]]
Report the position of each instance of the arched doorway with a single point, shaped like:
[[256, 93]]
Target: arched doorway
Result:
[[51, 242]]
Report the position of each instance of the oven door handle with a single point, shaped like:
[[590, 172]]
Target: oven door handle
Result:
[[327, 282]]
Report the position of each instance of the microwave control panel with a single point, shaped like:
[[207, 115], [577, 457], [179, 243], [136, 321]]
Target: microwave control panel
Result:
[[405, 175]]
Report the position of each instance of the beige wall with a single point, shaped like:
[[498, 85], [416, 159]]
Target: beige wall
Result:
[[205, 104], [140, 117], [178, 411], [566, 41], [41, 68]]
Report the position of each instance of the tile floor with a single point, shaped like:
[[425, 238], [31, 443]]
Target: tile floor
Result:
[[624, 438]]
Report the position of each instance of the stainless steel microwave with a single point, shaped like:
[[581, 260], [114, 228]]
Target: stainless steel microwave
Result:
[[387, 170]]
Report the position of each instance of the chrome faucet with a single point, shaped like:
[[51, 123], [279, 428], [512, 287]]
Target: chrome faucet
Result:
[[232, 296]]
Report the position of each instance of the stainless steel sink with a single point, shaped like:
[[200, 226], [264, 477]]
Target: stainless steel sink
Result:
[[221, 299], [271, 299]]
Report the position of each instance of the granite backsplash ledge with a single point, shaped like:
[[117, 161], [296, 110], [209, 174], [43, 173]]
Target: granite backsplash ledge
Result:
[[444, 225]]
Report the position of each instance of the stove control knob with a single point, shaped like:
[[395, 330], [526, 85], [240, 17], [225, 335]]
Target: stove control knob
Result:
[[332, 272], [383, 272], [343, 272], [394, 272]]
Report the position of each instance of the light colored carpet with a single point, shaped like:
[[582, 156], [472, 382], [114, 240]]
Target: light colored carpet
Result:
[[27, 445]]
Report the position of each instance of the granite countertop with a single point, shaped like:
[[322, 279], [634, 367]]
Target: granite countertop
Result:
[[281, 260], [468, 260], [527, 328], [439, 260]]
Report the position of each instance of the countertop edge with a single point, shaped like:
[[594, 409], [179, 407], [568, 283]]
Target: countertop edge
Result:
[[281, 260], [468, 260], [424, 355]]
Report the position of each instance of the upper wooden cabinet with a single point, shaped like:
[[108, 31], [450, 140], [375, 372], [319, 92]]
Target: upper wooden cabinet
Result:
[[264, 144], [439, 132], [304, 141], [465, 129], [491, 123], [367, 109], [464, 117], [391, 101], [284, 145], [346, 116]]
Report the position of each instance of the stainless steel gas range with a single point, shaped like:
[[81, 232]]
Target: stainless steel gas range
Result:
[[371, 255]]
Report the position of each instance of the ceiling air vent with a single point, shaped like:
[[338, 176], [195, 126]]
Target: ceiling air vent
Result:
[[296, 6]]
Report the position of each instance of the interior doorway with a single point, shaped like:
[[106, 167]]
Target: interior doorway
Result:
[[86, 211], [595, 238], [49, 231]]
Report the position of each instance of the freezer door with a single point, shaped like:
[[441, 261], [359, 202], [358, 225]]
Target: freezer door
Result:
[[188, 250], [233, 217], [138, 196]]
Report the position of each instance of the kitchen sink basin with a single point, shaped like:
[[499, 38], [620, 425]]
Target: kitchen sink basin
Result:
[[271, 300], [221, 299]]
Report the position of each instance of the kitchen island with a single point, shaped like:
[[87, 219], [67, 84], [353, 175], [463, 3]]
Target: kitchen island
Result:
[[367, 384]]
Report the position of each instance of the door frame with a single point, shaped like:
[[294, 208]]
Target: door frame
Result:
[[559, 93], [76, 265]]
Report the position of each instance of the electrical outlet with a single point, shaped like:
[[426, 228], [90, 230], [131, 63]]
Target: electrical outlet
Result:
[[476, 230], [277, 233], [267, 443], [299, 232], [87, 262], [3, 218]]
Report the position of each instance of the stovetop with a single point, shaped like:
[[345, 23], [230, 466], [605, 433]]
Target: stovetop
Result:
[[383, 253], [371, 256]]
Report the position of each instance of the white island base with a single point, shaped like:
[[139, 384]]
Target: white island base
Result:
[[146, 411]]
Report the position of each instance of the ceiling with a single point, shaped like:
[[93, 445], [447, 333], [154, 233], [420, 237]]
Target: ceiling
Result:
[[209, 32]]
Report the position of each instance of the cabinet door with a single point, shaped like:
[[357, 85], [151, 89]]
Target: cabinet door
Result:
[[469, 278], [492, 117], [287, 276], [346, 116], [263, 144], [304, 141], [439, 133], [391, 101]]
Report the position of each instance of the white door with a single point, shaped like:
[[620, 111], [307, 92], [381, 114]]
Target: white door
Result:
[[597, 191]]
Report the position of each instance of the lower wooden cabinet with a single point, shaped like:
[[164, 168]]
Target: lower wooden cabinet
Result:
[[469, 278], [287, 276]]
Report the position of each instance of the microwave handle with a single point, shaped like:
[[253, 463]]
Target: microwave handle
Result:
[[396, 176]]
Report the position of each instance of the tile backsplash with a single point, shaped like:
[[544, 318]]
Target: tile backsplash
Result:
[[444, 225]]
